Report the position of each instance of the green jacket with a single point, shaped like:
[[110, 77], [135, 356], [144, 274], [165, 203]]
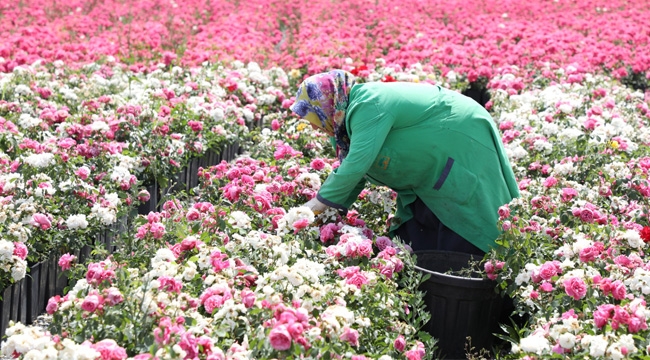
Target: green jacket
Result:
[[428, 142]]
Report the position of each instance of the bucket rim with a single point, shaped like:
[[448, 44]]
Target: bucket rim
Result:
[[477, 280]]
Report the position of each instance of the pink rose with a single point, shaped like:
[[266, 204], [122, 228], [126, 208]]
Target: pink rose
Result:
[[66, 143], [193, 215], [328, 232], [621, 317], [213, 302], [317, 164], [170, 284], [550, 181], [90, 303], [383, 242], [589, 254], [548, 270], [189, 243], [280, 338], [219, 261], [299, 225], [190, 344], [142, 357], [288, 317], [144, 195], [157, 230], [575, 287], [247, 298], [113, 296], [358, 279], [83, 172], [196, 126], [53, 304], [109, 350], [618, 290], [65, 261], [504, 212], [415, 354], [546, 286], [296, 329], [587, 215], [568, 194], [363, 248], [400, 343], [634, 325], [570, 314], [41, 220], [94, 273], [351, 336], [348, 271], [20, 250]]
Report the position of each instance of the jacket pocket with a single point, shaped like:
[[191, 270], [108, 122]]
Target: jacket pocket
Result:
[[456, 182]]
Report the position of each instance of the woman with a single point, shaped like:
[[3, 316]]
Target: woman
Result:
[[438, 149]]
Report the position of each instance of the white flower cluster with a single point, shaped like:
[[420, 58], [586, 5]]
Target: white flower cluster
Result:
[[640, 282], [34, 342], [9, 263], [27, 121], [293, 215], [239, 220], [78, 221], [40, 160], [310, 180], [106, 211]]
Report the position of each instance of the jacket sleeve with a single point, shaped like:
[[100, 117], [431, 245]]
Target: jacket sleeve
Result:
[[368, 127]]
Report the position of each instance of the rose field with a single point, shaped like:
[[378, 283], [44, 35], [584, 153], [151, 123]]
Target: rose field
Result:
[[152, 178]]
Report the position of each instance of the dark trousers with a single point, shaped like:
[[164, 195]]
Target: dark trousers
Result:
[[425, 232]]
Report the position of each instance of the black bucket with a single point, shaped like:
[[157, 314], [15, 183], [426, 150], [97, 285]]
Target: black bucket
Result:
[[460, 307]]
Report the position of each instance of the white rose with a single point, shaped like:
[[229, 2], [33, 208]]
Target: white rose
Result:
[[77, 222], [19, 269], [567, 340], [535, 343], [6, 250]]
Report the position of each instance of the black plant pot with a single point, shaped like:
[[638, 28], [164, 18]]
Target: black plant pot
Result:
[[460, 307]]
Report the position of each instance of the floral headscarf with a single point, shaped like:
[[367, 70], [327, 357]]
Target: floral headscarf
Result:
[[322, 100]]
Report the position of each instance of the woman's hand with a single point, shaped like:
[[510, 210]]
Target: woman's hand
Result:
[[316, 206]]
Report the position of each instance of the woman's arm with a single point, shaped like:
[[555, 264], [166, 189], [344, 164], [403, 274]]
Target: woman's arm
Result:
[[368, 127]]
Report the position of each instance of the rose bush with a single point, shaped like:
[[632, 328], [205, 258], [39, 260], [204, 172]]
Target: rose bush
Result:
[[573, 250]]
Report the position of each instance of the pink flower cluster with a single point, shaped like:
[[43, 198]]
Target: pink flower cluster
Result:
[[189, 243], [215, 296], [201, 211], [93, 302], [170, 284], [65, 261], [492, 268], [219, 261], [497, 34], [350, 246], [630, 316], [353, 275], [288, 325], [285, 151], [109, 349], [153, 228], [590, 213], [172, 331], [20, 250], [387, 262], [242, 178], [100, 272]]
